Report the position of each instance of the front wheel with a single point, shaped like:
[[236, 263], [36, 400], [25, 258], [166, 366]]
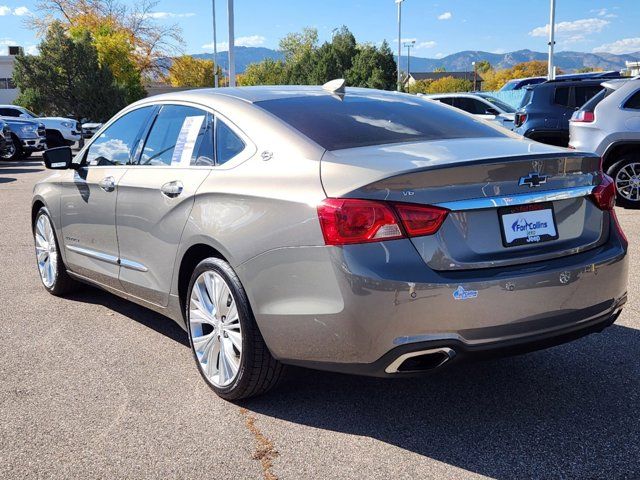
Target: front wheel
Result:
[[626, 176], [53, 273], [13, 151], [225, 340]]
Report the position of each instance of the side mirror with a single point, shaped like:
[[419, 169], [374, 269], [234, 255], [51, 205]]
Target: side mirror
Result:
[[59, 158]]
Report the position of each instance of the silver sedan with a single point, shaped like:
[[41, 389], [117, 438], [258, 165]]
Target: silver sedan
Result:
[[353, 230]]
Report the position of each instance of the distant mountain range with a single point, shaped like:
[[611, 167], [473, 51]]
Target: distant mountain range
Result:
[[567, 61]]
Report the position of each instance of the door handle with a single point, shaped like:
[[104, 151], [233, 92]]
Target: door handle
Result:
[[108, 184], [172, 189]]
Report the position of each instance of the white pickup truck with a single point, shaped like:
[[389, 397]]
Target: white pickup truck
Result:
[[60, 131]]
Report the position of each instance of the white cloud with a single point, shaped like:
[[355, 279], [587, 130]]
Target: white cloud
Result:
[[21, 11], [427, 44], [439, 55], [32, 50], [4, 10], [625, 45], [576, 28], [499, 51], [445, 16], [161, 15], [404, 40], [248, 41], [603, 12]]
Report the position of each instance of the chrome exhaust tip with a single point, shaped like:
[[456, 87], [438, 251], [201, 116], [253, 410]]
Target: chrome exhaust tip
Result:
[[421, 361]]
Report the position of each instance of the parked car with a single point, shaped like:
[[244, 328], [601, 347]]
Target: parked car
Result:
[[60, 131], [353, 230], [609, 125], [27, 136], [89, 129], [520, 83], [6, 142], [547, 107], [482, 105]]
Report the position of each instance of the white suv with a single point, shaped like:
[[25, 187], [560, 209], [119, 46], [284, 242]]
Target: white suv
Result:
[[60, 131], [609, 125], [481, 105]]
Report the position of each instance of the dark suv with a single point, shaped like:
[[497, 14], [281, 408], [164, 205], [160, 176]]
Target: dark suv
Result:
[[547, 107]]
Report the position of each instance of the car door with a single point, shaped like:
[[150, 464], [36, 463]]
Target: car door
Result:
[[88, 200], [156, 196]]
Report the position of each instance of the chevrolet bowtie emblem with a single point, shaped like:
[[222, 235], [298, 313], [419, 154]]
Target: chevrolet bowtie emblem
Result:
[[533, 180]]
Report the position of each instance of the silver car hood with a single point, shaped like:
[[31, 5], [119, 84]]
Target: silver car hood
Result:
[[343, 171]]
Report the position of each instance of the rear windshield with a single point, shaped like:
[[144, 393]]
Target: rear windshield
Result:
[[595, 100], [354, 120]]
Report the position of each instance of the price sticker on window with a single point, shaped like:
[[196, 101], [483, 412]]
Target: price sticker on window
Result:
[[186, 141]]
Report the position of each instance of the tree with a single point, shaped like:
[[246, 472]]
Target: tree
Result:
[[149, 40], [483, 66], [296, 45], [267, 72], [65, 78], [440, 69], [188, 71], [450, 84], [419, 86], [495, 79], [373, 68]]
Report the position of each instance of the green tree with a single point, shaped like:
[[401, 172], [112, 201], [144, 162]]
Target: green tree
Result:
[[344, 46], [267, 72], [373, 68], [440, 69], [483, 66], [66, 78], [450, 84], [297, 44], [419, 86]]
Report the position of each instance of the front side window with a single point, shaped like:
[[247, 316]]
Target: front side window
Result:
[[228, 144], [175, 136], [115, 146], [9, 112]]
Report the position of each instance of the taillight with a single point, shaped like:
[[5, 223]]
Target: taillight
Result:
[[346, 221], [520, 118], [583, 116], [419, 220], [604, 195]]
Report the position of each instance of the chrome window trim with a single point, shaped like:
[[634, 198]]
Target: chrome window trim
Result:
[[518, 199]]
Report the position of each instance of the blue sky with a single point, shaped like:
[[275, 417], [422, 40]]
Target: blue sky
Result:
[[439, 28]]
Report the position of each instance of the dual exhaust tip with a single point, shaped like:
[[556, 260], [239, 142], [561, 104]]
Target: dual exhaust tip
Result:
[[421, 361]]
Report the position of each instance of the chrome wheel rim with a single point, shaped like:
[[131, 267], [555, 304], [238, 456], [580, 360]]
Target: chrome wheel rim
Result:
[[216, 334], [9, 151], [628, 182], [46, 252]]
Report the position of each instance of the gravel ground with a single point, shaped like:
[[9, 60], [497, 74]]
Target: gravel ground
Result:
[[93, 386]]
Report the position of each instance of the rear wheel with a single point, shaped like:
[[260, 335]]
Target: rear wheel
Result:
[[13, 151], [225, 340], [626, 175], [53, 273]]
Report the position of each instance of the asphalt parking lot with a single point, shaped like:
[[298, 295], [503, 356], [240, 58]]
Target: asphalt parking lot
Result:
[[95, 387]]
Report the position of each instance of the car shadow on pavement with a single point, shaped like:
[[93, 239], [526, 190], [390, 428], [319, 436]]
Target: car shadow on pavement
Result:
[[16, 171], [7, 179], [570, 411], [144, 316]]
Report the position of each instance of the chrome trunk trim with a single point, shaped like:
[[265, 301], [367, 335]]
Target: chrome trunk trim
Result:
[[519, 199]]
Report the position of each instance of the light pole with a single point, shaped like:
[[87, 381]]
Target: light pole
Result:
[[232, 62], [409, 45], [215, 47], [551, 74], [475, 76], [399, 80]]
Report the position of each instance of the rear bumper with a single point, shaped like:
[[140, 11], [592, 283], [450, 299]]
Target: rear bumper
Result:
[[353, 308]]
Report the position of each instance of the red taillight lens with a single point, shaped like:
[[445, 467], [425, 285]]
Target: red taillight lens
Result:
[[346, 221], [604, 195], [420, 220], [583, 116], [520, 119]]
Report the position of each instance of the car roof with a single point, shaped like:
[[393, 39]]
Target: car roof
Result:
[[268, 92]]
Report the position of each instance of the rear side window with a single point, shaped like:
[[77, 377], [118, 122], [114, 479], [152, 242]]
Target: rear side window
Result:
[[448, 101], [115, 145], [359, 120], [174, 136], [470, 105], [9, 112], [633, 102], [594, 101], [583, 94], [561, 96]]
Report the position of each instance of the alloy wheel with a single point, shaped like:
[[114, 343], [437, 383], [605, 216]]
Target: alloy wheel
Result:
[[216, 333], [628, 182], [46, 251], [9, 152]]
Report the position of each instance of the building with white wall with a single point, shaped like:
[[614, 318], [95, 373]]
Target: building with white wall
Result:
[[8, 90]]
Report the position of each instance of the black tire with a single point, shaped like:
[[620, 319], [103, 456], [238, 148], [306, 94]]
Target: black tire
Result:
[[615, 169], [258, 371], [63, 283], [55, 139]]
